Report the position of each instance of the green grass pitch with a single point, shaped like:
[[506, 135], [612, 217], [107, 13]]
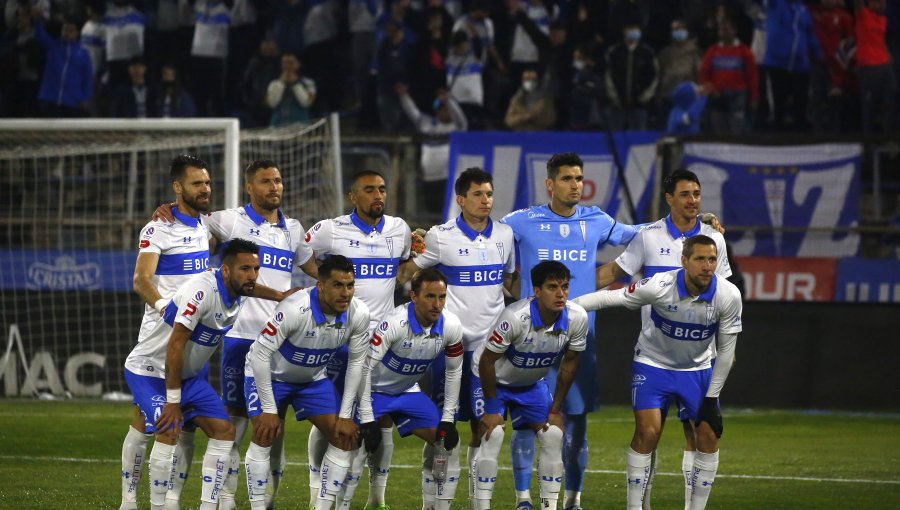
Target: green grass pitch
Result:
[[66, 455]]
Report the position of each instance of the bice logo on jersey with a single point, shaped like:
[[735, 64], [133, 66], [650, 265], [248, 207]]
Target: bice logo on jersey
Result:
[[189, 310], [562, 255]]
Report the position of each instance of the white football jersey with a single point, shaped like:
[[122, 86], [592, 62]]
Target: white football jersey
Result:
[[376, 253], [529, 347], [281, 247], [183, 249], [680, 328], [299, 339], [474, 264], [657, 248], [202, 305]]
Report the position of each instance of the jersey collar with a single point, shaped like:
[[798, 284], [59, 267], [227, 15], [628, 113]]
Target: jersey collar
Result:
[[561, 324], [677, 234], [707, 295], [437, 329], [470, 232], [318, 314], [223, 291], [253, 215], [184, 218], [365, 227]]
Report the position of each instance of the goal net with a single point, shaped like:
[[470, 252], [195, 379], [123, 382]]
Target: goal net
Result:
[[76, 194]]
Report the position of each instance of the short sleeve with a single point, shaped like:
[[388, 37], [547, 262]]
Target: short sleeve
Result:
[[730, 312], [152, 239], [644, 292], [319, 237], [221, 224], [632, 259], [359, 327], [432, 254], [200, 302], [382, 339], [502, 335], [578, 328], [723, 266], [302, 251], [407, 239]]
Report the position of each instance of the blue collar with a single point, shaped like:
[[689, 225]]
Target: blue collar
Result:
[[707, 295], [437, 329], [259, 219], [184, 218], [561, 324], [470, 232], [318, 314], [677, 234], [223, 290], [365, 227]]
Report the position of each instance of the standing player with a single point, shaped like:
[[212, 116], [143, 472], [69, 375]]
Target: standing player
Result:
[[569, 233], [286, 366], [376, 243], [692, 310], [510, 366], [657, 248], [166, 370], [478, 257], [170, 254]]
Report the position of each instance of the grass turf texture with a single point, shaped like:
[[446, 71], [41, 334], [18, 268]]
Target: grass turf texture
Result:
[[66, 455]]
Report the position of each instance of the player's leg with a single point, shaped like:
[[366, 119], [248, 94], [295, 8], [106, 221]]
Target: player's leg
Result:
[[693, 387], [257, 461], [530, 407], [380, 461], [470, 408], [208, 413], [150, 397], [654, 462], [315, 451], [690, 450], [521, 449], [649, 394], [134, 452], [234, 354], [335, 463], [418, 415], [485, 468], [181, 466]]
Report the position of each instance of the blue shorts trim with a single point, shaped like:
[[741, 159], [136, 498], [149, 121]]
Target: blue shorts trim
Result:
[[656, 388], [234, 356], [526, 404], [409, 411], [437, 376], [198, 398], [312, 399]]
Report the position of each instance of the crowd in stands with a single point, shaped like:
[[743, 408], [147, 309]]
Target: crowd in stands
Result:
[[682, 66]]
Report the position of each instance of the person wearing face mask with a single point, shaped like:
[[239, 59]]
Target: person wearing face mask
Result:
[[632, 76], [678, 63], [531, 107], [174, 101]]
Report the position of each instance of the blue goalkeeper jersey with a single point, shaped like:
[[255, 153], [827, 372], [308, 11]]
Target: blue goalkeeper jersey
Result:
[[541, 234]]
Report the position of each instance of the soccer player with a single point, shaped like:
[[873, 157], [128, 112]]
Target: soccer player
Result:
[[405, 345], [478, 257], [657, 248], [166, 370], [509, 369], [170, 254], [692, 310], [286, 365], [569, 233], [376, 243]]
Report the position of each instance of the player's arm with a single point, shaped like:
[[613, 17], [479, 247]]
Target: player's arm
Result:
[[170, 418], [608, 273], [164, 213], [632, 297], [564, 379], [144, 271], [726, 343], [344, 429], [270, 294], [259, 357], [511, 284], [379, 344], [453, 355]]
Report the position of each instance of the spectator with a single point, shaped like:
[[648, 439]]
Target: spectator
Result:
[[528, 27], [558, 69], [480, 29], [124, 28], [264, 67], [287, 26], [678, 62], [464, 77], [68, 82], [632, 74], [209, 51], [135, 99], [320, 32], [688, 102], [242, 36], [877, 82], [586, 100], [828, 78], [729, 72], [23, 60], [361, 15], [394, 57], [173, 100], [431, 54], [93, 37], [790, 40], [531, 108], [291, 95]]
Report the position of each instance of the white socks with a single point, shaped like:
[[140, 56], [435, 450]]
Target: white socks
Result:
[[705, 467], [637, 471], [486, 467], [277, 464], [226, 498], [654, 461], [181, 466], [215, 469], [471, 454], [315, 451], [334, 470], [380, 467], [687, 467], [550, 465], [354, 473], [134, 451], [161, 457], [447, 491], [256, 464]]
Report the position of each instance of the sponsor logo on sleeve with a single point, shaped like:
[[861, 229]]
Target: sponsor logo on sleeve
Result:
[[383, 326], [279, 317], [376, 340], [144, 244], [189, 310], [270, 329], [496, 338]]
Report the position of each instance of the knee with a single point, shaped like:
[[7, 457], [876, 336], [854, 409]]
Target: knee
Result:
[[495, 441], [222, 430], [646, 438], [551, 438]]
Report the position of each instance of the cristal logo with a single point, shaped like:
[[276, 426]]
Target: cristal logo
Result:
[[64, 274]]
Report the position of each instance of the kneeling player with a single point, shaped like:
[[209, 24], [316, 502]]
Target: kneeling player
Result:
[[165, 371], [528, 337], [286, 366], [402, 348]]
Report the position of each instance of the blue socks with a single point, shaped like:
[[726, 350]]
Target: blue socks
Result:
[[522, 450], [575, 451]]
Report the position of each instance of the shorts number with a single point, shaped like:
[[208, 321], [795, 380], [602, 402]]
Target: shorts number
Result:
[[232, 390], [478, 407], [251, 401]]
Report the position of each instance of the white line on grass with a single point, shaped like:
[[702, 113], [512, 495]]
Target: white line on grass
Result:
[[502, 468]]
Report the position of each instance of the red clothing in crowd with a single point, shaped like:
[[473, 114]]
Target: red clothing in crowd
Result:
[[833, 25], [730, 67], [871, 49]]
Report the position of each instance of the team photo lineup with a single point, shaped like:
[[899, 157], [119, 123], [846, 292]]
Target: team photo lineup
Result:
[[499, 332]]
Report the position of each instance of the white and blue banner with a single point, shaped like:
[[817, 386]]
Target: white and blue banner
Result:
[[518, 162], [804, 193], [69, 270]]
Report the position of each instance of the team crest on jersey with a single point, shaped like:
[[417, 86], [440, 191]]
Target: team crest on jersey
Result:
[[371, 248], [483, 255], [564, 230], [690, 315], [273, 238], [504, 326], [711, 314]]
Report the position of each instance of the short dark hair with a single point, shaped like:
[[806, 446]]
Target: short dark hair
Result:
[[334, 263], [681, 174], [429, 274], [560, 160], [469, 177], [365, 173], [549, 269], [256, 166], [236, 246], [688, 249], [179, 165]]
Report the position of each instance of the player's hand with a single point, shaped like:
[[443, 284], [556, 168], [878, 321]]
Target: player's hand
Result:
[[164, 213], [370, 435], [267, 427], [169, 419], [555, 418], [418, 242], [447, 431], [711, 220], [488, 423], [710, 413], [286, 294], [345, 432]]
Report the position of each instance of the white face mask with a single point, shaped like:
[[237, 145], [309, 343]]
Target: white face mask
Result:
[[529, 85]]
